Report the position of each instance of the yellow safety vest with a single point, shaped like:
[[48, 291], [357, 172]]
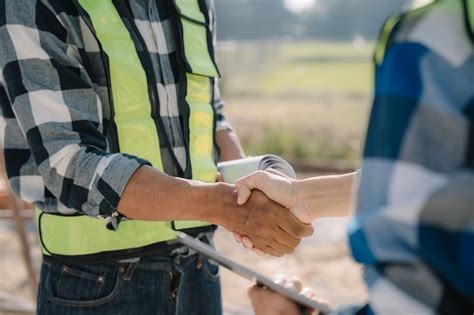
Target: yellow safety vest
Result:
[[82, 237]]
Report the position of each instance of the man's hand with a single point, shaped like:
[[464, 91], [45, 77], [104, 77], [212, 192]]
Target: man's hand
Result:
[[267, 302], [270, 227], [151, 195], [278, 188]]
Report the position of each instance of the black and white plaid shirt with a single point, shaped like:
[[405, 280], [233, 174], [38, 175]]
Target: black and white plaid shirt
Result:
[[54, 103]]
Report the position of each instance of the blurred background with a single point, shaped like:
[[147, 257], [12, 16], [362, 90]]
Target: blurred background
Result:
[[297, 75], [297, 78], [297, 81]]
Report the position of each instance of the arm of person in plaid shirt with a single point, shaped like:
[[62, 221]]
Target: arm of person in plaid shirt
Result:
[[59, 112], [60, 115]]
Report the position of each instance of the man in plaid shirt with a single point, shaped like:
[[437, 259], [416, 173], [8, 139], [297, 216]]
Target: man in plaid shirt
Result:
[[413, 228], [61, 156]]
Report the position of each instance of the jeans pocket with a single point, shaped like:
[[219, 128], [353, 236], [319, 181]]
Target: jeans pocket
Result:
[[83, 286], [210, 269]]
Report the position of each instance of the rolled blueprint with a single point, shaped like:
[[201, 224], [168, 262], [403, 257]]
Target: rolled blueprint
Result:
[[231, 171]]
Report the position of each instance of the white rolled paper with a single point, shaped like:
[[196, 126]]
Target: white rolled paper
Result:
[[231, 171]]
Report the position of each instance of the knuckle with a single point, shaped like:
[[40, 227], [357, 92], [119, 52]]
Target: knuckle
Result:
[[302, 230], [252, 291]]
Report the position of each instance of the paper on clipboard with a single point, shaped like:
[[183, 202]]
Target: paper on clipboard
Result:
[[231, 171]]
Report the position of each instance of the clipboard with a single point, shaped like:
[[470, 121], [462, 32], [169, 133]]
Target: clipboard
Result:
[[209, 252]]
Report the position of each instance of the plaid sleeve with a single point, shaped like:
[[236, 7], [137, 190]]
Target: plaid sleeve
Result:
[[414, 224], [59, 111]]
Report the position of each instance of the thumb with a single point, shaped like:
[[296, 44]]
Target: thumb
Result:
[[243, 193]]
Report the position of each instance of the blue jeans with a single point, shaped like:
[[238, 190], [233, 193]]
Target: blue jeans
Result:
[[169, 284]]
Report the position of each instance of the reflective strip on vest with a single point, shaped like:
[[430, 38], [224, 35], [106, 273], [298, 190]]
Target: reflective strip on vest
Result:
[[201, 137], [195, 38], [199, 95], [137, 135]]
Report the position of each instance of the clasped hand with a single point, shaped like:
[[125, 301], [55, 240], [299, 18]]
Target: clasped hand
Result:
[[279, 193]]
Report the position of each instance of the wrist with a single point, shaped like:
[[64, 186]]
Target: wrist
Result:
[[327, 196], [216, 200], [304, 194]]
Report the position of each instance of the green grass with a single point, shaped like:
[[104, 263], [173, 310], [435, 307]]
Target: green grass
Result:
[[311, 78], [301, 69], [312, 48]]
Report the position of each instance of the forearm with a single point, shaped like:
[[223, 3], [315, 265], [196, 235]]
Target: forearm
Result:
[[230, 146], [154, 196], [327, 196], [151, 195]]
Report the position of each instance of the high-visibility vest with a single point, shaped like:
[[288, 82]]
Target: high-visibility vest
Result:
[[85, 238]]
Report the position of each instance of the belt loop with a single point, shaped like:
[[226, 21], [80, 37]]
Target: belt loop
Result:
[[128, 271]]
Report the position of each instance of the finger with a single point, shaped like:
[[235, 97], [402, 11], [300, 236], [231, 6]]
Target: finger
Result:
[[275, 245], [280, 279], [308, 292], [294, 284], [273, 251], [247, 242], [286, 239], [293, 226], [276, 172], [237, 237], [258, 252], [254, 291], [219, 178], [243, 193], [285, 249], [277, 248], [257, 180]]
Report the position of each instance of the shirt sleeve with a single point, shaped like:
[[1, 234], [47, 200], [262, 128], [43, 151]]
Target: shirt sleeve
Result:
[[414, 224], [59, 112]]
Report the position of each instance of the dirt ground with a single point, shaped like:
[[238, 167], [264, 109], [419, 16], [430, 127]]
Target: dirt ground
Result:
[[322, 261]]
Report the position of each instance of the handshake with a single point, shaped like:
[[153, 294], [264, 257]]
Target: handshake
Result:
[[270, 217]]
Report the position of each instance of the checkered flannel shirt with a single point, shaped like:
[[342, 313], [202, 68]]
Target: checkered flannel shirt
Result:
[[54, 105], [414, 224]]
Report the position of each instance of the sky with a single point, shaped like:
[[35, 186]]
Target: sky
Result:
[[298, 5]]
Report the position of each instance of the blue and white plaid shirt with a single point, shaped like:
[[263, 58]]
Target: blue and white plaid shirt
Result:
[[414, 224]]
